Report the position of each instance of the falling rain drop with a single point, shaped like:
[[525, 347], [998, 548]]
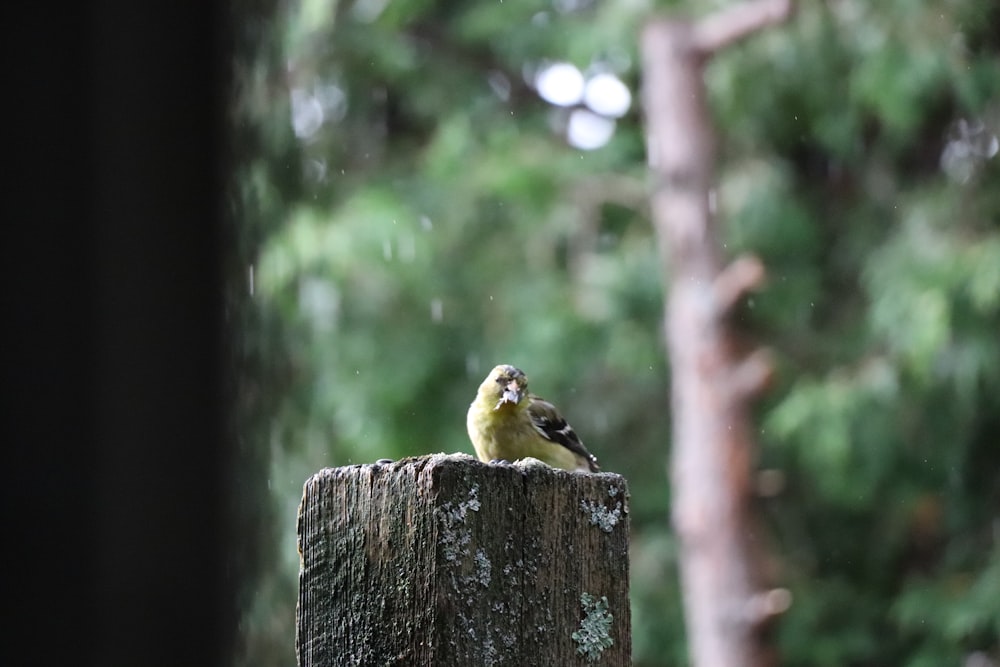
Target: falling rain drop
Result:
[[437, 310]]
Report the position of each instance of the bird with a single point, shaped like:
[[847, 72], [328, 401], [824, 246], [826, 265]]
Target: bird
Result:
[[508, 423]]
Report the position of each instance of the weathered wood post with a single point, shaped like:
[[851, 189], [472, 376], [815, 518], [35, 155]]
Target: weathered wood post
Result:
[[442, 560]]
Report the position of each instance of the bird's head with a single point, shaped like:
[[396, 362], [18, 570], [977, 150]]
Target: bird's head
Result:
[[506, 385]]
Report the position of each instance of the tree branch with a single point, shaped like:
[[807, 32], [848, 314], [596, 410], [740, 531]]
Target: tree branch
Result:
[[742, 275], [717, 31], [753, 374], [767, 604]]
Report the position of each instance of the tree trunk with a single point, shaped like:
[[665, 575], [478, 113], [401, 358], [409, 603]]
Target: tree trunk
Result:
[[713, 444]]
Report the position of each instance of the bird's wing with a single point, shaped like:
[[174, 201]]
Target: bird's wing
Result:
[[553, 427]]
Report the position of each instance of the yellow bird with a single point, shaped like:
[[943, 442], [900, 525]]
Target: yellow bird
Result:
[[506, 422]]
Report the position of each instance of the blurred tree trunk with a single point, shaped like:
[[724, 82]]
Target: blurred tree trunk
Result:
[[726, 610]]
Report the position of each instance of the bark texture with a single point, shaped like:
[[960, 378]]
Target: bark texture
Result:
[[442, 560], [726, 610]]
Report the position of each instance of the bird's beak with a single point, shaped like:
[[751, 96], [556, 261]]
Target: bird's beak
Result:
[[512, 394]]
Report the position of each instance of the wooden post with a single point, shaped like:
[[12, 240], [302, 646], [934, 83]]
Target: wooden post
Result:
[[442, 560], [726, 605]]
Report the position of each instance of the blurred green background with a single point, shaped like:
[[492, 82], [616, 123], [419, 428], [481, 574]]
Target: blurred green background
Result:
[[412, 211]]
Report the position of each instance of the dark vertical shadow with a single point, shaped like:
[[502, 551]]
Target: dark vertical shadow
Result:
[[113, 410]]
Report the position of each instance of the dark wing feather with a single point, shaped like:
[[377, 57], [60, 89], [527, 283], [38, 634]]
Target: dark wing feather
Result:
[[553, 427]]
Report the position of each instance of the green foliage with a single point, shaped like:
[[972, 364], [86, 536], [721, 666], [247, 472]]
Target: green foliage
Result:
[[428, 222]]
